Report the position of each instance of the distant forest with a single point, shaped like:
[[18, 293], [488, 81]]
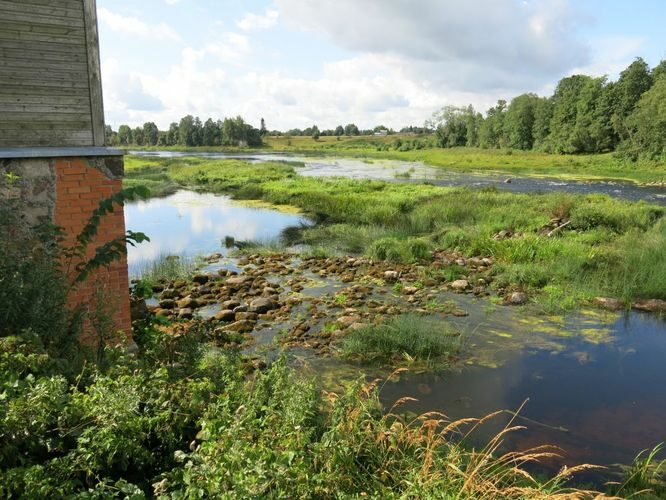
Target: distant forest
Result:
[[584, 115]]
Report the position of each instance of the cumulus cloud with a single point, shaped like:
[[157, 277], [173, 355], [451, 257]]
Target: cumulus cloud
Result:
[[253, 21], [136, 27], [472, 44]]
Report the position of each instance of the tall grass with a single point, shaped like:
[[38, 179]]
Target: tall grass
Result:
[[410, 337], [166, 268]]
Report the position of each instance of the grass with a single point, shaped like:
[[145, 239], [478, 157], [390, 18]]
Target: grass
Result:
[[610, 247], [516, 162], [167, 268], [408, 337]]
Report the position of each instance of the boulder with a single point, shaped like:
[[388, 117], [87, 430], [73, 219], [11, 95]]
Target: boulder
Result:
[[230, 304], [459, 285], [608, 303], [651, 305], [245, 315], [200, 279], [188, 303], [185, 313], [347, 321], [225, 315], [167, 303], [238, 281], [242, 326], [391, 275], [169, 293], [517, 298], [262, 305]]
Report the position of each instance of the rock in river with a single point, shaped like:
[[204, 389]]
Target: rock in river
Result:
[[262, 305], [517, 298], [459, 285]]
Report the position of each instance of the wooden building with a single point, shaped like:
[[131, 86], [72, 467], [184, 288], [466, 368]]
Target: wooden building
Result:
[[52, 133]]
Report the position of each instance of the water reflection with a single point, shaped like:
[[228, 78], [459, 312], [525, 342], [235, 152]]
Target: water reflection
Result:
[[191, 224], [602, 402]]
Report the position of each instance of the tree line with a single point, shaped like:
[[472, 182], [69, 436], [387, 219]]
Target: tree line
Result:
[[189, 131], [584, 115]]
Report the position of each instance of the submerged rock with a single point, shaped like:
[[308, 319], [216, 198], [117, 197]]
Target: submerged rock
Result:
[[608, 303], [651, 305]]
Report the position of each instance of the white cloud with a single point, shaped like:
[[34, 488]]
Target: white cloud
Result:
[[406, 62], [253, 21], [464, 44], [135, 27]]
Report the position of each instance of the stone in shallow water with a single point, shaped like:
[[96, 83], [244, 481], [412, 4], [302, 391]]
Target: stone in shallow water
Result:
[[185, 313], [459, 285], [200, 278], [652, 305], [517, 298], [608, 303], [225, 315], [262, 305]]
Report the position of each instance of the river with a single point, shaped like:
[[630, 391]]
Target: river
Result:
[[593, 382]]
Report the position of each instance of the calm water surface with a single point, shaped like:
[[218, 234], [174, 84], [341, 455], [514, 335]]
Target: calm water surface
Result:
[[191, 224]]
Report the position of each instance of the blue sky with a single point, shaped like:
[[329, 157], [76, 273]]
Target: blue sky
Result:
[[328, 62]]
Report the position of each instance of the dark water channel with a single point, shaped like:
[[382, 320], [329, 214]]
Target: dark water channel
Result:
[[594, 382], [397, 171]]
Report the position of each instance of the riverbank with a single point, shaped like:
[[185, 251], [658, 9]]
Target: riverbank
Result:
[[412, 148], [559, 250]]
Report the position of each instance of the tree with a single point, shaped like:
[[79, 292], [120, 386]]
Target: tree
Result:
[[137, 135], [186, 130], [172, 136], [197, 132], [150, 134], [315, 132], [519, 121], [210, 133], [659, 70], [633, 82], [543, 114], [593, 132], [351, 129], [339, 130], [262, 128], [124, 135], [565, 113], [456, 126], [647, 124], [491, 130]]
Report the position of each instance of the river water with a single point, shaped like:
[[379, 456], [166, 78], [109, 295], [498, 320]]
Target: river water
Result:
[[593, 383], [397, 171]]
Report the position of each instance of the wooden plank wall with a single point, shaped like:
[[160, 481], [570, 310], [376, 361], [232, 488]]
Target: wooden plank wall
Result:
[[50, 88]]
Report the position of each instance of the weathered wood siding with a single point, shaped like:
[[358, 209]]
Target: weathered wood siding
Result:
[[50, 85]]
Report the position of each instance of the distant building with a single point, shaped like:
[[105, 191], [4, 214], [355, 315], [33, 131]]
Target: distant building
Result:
[[52, 130], [382, 132]]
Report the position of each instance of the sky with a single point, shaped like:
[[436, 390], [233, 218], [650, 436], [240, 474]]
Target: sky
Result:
[[297, 63]]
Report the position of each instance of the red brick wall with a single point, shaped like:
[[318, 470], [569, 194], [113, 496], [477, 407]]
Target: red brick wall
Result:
[[79, 189]]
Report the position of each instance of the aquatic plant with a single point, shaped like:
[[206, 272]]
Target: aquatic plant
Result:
[[421, 338]]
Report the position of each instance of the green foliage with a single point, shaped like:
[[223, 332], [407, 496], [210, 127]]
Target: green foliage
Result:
[[647, 124], [420, 338]]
